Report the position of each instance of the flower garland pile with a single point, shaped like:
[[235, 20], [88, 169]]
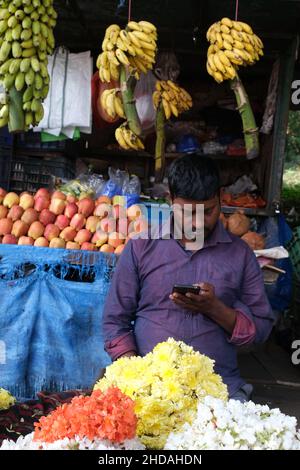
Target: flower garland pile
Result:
[[232, 425], [6, 399], [165, 385]]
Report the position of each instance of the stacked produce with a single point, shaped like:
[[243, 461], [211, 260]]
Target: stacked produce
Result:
[[175, 100], [6, 399], [59, 221], [26, 38], [135, 47], [239, 224], [233, 44]]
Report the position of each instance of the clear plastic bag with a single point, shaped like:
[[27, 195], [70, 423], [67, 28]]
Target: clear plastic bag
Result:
[[86, 184], [144, 103], [132, 190], [113, 187]]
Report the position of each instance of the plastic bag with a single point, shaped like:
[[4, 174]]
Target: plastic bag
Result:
[[113, 187], [132, 190], [85, 185], [144, 103]]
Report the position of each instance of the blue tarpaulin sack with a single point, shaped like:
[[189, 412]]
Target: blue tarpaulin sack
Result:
[[50, 325]]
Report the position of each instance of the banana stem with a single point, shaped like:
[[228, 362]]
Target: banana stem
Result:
[[127, 90], [160, 144], [16, 121], [250, 128]]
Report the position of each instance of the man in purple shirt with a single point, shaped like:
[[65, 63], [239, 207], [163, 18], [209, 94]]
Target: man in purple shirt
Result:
[[231, 309]]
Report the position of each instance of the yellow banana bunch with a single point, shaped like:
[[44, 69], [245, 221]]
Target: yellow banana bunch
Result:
[[135, 47], [232, 44], [111, 102], [174, 99], [26, 39], [127, 139]]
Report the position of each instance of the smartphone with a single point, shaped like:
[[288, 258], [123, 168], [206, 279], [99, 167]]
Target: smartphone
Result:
[[186, 289]]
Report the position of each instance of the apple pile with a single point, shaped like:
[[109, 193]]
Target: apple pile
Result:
[[59, 221]]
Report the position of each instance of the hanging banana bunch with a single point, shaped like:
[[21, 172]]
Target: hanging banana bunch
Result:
[[232, 44], [112, 103], [127, 139], [26, 38], [175, 100], [134, 47]]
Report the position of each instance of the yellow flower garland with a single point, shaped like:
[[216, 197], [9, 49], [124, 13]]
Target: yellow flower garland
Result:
[[6, 399], [166, 385]]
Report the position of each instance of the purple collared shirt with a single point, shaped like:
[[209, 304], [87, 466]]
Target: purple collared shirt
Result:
[[139, 314]]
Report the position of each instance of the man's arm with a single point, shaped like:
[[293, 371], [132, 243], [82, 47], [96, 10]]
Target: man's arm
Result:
[[121, 305]]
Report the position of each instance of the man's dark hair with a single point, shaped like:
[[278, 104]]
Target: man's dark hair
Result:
[[194, 177]]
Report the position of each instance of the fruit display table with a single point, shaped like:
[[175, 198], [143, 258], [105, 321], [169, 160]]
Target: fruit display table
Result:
[[51, 304]]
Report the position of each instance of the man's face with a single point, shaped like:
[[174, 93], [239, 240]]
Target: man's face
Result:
[[212, 212]]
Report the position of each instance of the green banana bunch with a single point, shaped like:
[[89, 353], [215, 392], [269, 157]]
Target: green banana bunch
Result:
[[232, 44], [134, 47], [26, 40]]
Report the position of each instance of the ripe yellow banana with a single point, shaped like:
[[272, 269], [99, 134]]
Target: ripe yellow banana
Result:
[[134, 40], [120, 138], [147, 27], [156, 97], [167, 109], [223, 58], [211, 62], [122, 57], [218, 77], [227, 22], [245, 27], [118, 105]]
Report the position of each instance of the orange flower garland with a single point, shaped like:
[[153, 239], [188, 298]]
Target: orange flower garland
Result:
[[108, 415]]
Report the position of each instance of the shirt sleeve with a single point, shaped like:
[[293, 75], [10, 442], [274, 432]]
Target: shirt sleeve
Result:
[[244, 331], [253, 302], [121, 305]]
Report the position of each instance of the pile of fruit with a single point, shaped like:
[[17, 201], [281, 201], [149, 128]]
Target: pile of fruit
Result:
[[26, 38], [175, 100], [240, 225], [135, 47], [232, 44], [59, 221]]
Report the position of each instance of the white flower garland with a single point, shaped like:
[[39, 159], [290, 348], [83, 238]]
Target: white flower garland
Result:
[[27, 443], [233, 425]]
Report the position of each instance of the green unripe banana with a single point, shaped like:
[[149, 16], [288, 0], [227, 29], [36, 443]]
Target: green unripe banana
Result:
[[35, 64], [8, 81], [29, 118], [36, 27], [26, 34], [20, 15], [8, 35], [27, 44], [16, 50], [3, 122], [16, 32], [38, 82], [12, 22], [26, 23], [5, 67], [28, 94], [15, 66], [29, 52], [39, 115], [3, 26], [29, 77], [27, 106], [4, 112], [4, 14], [20, 81], [34, 15], [5, 51], [45, 92], [25, 65], [36, 105]]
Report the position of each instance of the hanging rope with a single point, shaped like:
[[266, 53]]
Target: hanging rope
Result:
[[129, 10], [236, 9]]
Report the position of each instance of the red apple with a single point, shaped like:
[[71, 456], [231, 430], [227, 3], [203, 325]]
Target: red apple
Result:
[[119, 249], [30, 216], [86, 206], [41, 203], [103, 210], [26, 201], [57, 206], [59, 195], [15, 213], [88, 246], [57, 243], [78, 221], [10, 200], [119, 212], [71, 199], [72, 246], [108, 225], [51, 231], [100, 238], [62, 221], [71, 209], [141, 225], [26, 241], [41, 242], [43, 192], [68, 234], [107, 249], [103, 200], [123, 226], [36, 230], [82, 236], [92, 223], [6, 226], [134, 212], [3, 212], [20, 229], [116, 239], [2, 195], [47, 217], [9, 240]]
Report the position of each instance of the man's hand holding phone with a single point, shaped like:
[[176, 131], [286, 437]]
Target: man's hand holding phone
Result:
[[199, 298]]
